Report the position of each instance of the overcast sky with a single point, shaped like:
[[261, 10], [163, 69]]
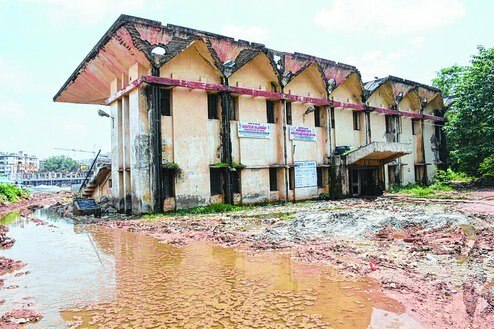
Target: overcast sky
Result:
[[43, 41]]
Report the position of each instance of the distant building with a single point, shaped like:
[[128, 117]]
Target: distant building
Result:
[[199, 118], [13, 165]]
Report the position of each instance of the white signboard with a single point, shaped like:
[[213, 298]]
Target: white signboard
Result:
[[305, 174], [300, 133], [253, 130]]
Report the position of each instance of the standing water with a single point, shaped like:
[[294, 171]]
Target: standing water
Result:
[[92, 276]]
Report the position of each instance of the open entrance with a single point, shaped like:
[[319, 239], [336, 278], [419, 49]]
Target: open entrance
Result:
[[366, 181]]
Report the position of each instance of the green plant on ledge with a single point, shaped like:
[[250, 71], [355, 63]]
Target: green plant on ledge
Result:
[[224, 165], [171, 165]]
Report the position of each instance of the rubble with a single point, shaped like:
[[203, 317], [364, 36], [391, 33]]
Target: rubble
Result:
[[5, 241], [16, 318], [8, 265]]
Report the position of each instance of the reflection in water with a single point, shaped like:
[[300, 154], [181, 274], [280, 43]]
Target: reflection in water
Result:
[[121, 279]]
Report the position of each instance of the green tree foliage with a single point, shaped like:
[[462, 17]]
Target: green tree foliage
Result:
[[470, 130], [11, 193], [486, 169], [447, 79], [61, 163]]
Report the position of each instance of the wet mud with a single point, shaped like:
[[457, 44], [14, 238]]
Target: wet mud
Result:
[[433, 258], [94, 276]]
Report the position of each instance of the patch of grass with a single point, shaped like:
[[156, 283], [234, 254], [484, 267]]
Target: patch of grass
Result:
[[202, 210], [421, 191], [12, 193]]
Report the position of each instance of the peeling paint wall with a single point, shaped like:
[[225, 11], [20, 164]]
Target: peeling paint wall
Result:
[[196, 63], [139, 150]]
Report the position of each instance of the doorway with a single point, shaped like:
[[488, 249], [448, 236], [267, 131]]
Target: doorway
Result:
[[365, 182]]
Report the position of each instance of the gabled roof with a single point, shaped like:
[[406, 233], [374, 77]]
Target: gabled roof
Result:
[[399, 85], [132, 39]]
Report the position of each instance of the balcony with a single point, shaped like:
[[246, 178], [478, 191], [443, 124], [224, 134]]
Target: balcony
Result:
[[377, 153]]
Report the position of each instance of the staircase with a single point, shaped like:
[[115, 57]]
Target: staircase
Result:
[[96, 179]]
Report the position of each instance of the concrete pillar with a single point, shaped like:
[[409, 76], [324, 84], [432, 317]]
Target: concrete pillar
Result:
[[139, 148], [126, 153], [116, 114], [139, 153]]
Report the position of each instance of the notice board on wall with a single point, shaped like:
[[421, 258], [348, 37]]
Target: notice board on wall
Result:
[[305, 174], [253, 130]]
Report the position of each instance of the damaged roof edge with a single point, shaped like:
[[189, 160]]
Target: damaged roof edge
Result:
[[373, 85], [121, 20]]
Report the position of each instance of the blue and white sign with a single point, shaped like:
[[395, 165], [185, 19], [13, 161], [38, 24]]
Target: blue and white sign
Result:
[[305, 174]]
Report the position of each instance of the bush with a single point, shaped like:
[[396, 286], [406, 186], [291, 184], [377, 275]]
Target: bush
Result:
[[445, 177], [324, 196], [11, 193], [486, 169]]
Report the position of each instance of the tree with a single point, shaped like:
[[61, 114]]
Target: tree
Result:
[[447, 79], [61, 163], [470, 130]]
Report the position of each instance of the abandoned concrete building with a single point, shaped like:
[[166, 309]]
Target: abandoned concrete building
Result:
[[199, 118]]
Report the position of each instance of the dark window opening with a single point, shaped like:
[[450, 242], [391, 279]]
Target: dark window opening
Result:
[[291, 178], [332, 117], [233, 102], [274, 88], [270, 111], [356, 120], [213, 106], [317, 117], [438, 133], [110, 183], [414, 126], [393, 175], [288, 113], [319, 177], [235, 175], [165, 100], [273, 179], [419, 174], [168, 183], [390, 124], [216, 181]]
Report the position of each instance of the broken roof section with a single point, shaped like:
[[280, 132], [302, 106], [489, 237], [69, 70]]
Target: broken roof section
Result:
[[131, 40], [400, 88]]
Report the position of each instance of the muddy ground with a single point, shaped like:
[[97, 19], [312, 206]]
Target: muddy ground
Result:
[[35, 201], [436, 257]]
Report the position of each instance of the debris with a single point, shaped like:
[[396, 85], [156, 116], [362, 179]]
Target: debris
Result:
[[373, 266], [15, 318]]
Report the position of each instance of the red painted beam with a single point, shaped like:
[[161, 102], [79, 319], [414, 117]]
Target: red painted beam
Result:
[[348, 105], [123, 91], [257, 93], [434, 118], [184, 83], [383, 111], [411, 115]]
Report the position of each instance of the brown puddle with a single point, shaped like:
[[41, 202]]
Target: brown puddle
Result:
[[131, 280]]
